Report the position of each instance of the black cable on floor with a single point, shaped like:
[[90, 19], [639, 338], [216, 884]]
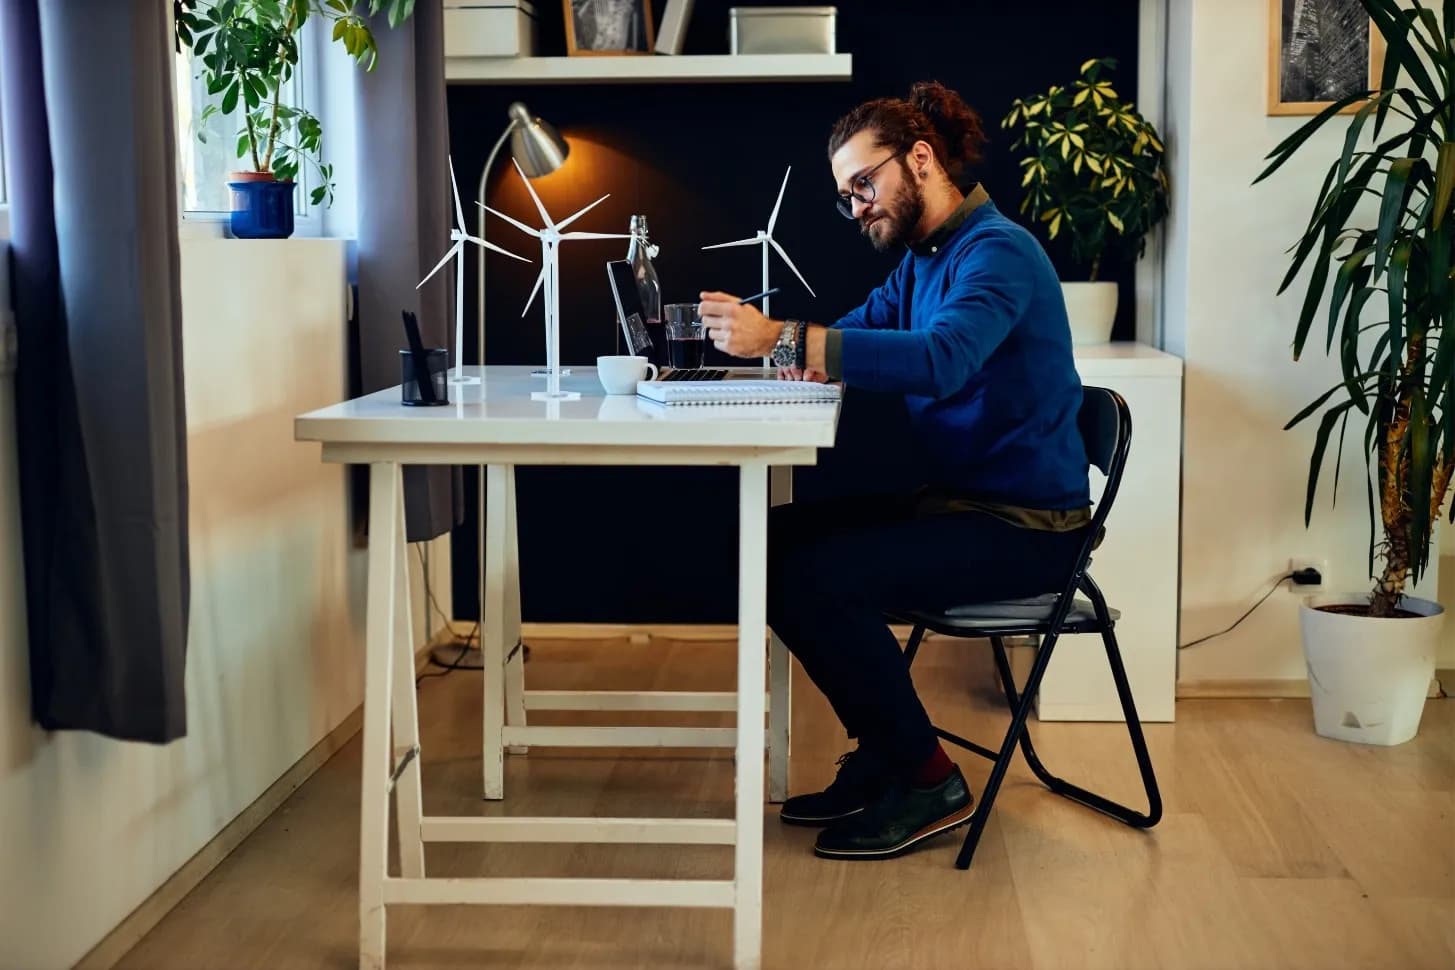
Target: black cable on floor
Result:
[[1281, 580]]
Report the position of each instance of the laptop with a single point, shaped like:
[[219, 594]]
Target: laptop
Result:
[[631, 315]]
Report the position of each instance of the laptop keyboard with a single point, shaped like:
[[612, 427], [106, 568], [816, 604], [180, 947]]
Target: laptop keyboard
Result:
[[694, 374]]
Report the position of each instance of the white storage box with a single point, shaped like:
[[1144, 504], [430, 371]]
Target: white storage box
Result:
[[782, 30], [490, 28]]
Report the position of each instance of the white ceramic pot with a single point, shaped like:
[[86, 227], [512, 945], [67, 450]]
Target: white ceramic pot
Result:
[[1092, 309], [1369, 676]]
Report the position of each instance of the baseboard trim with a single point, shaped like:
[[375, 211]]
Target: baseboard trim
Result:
[[142, 920], [639, 633], [1271, 689]]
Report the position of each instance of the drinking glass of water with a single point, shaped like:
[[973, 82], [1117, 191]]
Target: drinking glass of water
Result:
[[686, 336]]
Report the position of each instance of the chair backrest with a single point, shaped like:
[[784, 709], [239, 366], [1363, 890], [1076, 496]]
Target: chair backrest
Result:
[[1101, 419], [1105, 422]]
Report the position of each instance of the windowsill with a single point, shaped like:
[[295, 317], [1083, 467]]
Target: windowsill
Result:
[[213, 225], [190, 228], [202, 227]]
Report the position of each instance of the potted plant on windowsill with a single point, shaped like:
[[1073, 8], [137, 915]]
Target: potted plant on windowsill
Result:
[[249, 51], [1370, 656], [1095, 170]]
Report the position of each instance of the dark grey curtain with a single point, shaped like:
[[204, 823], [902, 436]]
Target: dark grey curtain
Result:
[[405, 214], [87, 116]]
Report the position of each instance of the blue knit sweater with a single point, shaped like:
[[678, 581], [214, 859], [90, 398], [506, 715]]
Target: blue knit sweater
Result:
[[971, 327]]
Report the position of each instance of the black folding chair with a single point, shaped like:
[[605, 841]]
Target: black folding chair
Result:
[[1106, 429]]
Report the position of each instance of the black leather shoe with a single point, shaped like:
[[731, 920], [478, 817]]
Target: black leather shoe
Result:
[[900, 819], [862, 778]]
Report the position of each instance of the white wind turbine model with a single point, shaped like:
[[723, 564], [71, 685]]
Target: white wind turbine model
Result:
[[551, 238], [765, 239], [458, 238]]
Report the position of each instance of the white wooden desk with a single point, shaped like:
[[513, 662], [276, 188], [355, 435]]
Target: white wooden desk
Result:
[[496, 424]]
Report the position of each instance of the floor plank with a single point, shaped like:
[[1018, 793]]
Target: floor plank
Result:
[[1279, 848]]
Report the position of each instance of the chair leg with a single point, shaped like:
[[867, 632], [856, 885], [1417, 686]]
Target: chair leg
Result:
[[912, 647], [1134, 727], [1002, 762], [1012, 699]]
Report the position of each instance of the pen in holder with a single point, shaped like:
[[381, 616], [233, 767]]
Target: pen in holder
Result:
[[435, 388]]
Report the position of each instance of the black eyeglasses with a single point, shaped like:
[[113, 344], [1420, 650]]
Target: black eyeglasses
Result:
[[862, 184]]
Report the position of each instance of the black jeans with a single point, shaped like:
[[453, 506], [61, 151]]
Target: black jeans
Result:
[[834, 567]]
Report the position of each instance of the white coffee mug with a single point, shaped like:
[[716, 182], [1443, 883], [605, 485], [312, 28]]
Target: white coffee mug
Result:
[[619, 375]]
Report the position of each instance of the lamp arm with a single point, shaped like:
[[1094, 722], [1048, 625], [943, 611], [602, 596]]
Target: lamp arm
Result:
[[480, 277]]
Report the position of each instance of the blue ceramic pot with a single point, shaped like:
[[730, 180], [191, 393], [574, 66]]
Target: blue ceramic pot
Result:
[[262, 209]]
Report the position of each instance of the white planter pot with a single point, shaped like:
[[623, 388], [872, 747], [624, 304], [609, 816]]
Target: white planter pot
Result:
[[1368, 676], [1092, 309]]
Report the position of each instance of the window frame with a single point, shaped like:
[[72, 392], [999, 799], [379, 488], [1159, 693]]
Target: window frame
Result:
[[4, 197], [8, 336]]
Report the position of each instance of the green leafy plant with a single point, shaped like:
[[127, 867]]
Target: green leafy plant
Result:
[[249, 51], [1395, 259], [1095, 168]]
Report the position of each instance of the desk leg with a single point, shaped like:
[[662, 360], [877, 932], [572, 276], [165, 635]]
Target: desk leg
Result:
[[752, 620], [492, 626], [780, 674], [384, 596], [408, 804], [514, 648]]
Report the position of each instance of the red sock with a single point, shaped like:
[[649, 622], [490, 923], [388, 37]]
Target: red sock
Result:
[[935, 769]]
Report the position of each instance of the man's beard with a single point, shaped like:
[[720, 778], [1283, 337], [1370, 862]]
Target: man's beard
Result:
[[894, 225]]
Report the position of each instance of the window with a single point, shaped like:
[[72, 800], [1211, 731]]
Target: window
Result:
[[4, 222], [203, 165], [3, 196]]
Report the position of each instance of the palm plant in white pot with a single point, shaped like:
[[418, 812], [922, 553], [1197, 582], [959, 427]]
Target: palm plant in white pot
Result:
[[1371, 655], [1095, 170]]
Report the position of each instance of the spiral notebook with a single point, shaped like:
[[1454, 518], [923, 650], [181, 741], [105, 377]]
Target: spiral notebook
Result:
[[738, 392]]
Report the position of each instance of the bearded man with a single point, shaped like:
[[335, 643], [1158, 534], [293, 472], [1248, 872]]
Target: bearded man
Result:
[[971, 328]]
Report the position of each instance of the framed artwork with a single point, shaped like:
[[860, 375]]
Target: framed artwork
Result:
[[1320, 51], [605, 27]]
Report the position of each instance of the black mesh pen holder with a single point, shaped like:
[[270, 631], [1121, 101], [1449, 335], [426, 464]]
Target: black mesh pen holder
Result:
[[432, 391]]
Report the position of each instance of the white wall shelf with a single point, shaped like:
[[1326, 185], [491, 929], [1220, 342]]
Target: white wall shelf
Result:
[[689, 68]]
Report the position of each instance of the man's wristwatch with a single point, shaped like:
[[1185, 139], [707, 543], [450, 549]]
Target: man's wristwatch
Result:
[[785, 351]]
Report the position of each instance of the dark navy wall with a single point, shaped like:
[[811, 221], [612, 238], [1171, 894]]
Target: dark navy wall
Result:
[[704, 162]]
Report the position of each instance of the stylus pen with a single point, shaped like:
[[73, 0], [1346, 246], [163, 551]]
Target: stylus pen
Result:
[[758, 296]]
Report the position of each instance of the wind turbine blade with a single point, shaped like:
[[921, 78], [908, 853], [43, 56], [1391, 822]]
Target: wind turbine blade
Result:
[[438, 266], [566, 222], [737, 242], [594, 235], [514, 222], [455, 189], [540, 206], [773, 219], [774, 244], [540, 278], [490, 245]]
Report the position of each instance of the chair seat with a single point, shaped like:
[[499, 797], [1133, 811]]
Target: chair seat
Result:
[[1030, 611]]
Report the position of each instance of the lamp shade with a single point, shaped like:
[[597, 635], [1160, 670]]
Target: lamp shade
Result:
[[537, 146]]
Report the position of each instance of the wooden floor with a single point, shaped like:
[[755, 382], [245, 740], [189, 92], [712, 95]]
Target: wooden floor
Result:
[[1278, 849]]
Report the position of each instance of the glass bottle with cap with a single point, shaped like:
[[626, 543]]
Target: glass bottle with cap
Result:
[[639, 253]]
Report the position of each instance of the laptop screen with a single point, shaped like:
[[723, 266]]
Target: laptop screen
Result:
[[629, 310]]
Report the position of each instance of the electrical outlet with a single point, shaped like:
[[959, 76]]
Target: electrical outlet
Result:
[[1296, 563]]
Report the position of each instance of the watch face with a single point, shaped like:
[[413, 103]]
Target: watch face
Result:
[[783, 350]]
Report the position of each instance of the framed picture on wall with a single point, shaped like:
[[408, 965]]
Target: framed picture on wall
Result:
[[1319, 52], [603, 27]]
